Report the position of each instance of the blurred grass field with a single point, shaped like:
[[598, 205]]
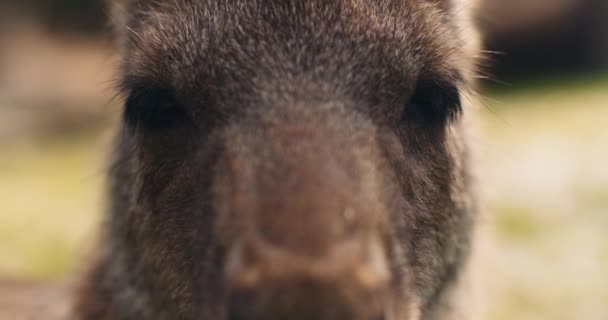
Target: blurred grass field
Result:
[[545, 179], [51, 199], [543, 152]]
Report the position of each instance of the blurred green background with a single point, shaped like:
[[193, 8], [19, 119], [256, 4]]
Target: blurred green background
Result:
[[542, 148]]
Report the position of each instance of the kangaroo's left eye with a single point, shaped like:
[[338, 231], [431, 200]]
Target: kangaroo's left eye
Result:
[[433, 103]]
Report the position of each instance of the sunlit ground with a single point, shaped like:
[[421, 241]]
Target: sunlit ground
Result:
[[543, 150]]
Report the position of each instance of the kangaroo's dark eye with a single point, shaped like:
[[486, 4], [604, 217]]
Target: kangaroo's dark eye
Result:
[[153, 110], [432, 104]]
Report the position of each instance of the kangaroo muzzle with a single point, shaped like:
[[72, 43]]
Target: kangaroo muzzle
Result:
[[309, 242], [349, 282]]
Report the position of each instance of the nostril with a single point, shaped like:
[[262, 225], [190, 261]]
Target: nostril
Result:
[[266, 282], [243, 267]]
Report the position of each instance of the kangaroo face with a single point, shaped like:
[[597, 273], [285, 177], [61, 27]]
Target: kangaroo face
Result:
[[289, 160]]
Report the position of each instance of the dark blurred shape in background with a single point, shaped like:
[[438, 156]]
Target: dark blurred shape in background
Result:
[[71, 16], [537, 37]]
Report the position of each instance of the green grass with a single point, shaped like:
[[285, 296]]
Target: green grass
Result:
[[518, 223], [547, 85]]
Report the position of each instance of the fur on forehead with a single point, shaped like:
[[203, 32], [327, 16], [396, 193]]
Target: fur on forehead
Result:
[[460, 7], [182, 31]]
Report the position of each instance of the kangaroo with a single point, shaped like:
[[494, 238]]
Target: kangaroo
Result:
[[290, 159]]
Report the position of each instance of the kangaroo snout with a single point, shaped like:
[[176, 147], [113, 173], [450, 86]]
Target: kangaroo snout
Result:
[[266, 282], [310, 241]]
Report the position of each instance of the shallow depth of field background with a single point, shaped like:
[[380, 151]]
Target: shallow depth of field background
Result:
[[543, 149]]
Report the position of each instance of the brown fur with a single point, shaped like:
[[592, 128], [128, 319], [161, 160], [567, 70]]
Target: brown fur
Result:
[[292, 159]]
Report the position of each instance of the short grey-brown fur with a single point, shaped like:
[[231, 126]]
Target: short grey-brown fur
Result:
[[289, 159]]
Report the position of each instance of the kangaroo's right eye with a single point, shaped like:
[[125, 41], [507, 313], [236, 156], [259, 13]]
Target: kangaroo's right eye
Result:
[[432, 103], [153, 110]]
